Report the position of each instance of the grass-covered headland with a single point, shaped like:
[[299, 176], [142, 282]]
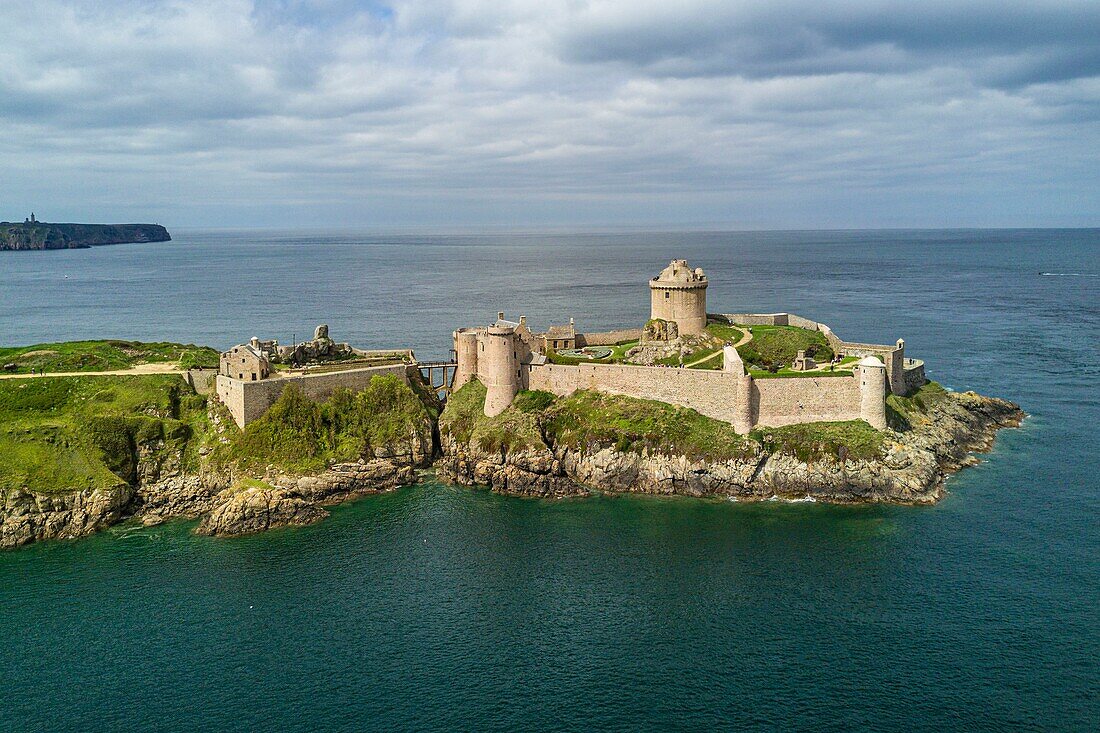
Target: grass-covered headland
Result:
[[102, 356], [66, 433], [88, 432]]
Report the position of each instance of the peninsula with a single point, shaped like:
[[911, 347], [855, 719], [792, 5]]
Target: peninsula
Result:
[[731, 406], [32, 234]]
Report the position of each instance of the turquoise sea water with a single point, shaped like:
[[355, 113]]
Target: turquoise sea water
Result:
[[442, 608]]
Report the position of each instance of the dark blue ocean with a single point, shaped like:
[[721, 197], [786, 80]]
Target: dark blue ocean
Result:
[[437, 608]]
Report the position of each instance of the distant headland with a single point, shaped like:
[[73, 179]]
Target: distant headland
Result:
[[32, 234]]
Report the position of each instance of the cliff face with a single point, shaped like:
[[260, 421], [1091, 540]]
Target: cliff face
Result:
[[37, 236], [909, 469], [529, 453], [229, 502]]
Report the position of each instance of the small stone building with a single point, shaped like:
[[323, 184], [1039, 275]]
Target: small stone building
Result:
[[803, 363], [560, 337], [246, 362]]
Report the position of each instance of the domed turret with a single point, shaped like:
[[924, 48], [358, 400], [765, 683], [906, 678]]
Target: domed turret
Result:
[[679, 294], [871, 373]]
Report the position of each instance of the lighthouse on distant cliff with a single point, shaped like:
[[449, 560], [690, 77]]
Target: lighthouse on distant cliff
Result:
[[679, 294]]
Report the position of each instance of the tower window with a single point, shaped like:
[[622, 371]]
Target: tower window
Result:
[[666, 295]]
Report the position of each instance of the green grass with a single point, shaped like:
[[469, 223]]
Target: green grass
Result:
[[786, 373], [618, 354], [903, 412], [813, 441], [514, 429], [65, 433], [95, 356], [587, 420], [781, 344], [300, 435], [591, 421]]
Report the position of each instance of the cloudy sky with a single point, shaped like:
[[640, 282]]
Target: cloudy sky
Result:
[[454, 113]]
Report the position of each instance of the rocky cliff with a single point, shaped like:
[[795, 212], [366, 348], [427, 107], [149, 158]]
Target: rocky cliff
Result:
[[907, 466], [541, 446], [39, 235], [216, 473]]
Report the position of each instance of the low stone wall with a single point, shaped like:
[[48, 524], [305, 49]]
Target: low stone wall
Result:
[[201, 380], [247, 401], [752, 319], [892, 356], [778, 402], [775, 402], [608, 338]]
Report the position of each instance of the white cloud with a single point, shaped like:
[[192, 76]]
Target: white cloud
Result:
[[421, 112]]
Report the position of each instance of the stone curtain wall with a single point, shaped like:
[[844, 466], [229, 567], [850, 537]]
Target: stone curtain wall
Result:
[[752, 319], [778, 402], [711, 393], [714, 394], [608, 338], [892, 356], [201, 380], [248, 401]]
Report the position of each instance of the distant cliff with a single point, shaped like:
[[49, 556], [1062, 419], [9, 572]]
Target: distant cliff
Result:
[[39, 235]]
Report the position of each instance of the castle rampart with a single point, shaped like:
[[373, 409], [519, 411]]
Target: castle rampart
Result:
[[504, 356], [892, 356], [248, 400], [608, 338], [735, 398]]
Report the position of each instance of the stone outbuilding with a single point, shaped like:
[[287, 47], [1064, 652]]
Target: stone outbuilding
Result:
[[560, 337], [803, 363], [246, 362]]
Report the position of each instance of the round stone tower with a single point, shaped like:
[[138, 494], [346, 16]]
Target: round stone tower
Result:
[[465, 346], [742, 392], [497, 367], [872, 391], [680, 294]]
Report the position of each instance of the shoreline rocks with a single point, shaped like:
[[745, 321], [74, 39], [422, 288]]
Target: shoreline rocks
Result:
[[911, 470]]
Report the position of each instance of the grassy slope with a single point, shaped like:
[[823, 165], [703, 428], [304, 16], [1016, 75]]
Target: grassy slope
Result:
[[95, 356], [902, 413], [300, 435], [514, 429], [65, 433], [780, 345], [587, 420], [593, 420]]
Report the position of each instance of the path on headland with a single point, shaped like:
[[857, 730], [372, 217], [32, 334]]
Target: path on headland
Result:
[[140, 369], [746, 336]]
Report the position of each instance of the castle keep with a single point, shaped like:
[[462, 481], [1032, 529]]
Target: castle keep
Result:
[[506, 356], [679, 295]]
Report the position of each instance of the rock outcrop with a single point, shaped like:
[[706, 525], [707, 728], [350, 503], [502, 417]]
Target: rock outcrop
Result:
[[911, 469], [297, 500], [29, 516]]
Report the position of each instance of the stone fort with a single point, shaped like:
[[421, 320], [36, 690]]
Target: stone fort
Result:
[[507, 357]]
